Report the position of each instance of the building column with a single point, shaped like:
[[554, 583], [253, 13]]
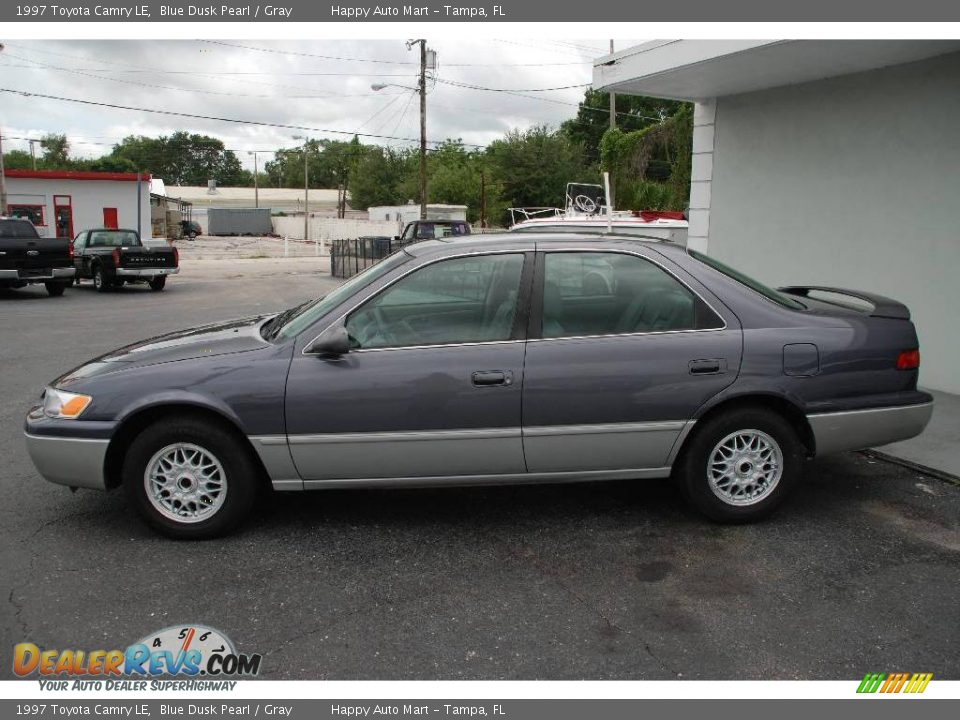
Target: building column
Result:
[[701, 173]]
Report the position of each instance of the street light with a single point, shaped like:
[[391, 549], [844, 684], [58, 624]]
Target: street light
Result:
[[256, 182], [421, 89]]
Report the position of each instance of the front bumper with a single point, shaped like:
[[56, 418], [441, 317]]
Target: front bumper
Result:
[[77, 462], [861, 429], [145, 272], [54, 274]]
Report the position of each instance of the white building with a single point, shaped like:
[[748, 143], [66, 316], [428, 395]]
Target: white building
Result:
[[830, 163], [61, 203], [402, 214]]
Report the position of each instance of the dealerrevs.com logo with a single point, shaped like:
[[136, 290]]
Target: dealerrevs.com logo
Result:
[[183, 651], [887, 683]]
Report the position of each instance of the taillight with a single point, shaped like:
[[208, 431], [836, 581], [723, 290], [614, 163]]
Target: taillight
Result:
[[176, 257], [70, 250], [908, 360], [116, 257]]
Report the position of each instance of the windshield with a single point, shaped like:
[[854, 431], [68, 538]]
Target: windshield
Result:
[[113, 238], [756, 286], [296, 320]]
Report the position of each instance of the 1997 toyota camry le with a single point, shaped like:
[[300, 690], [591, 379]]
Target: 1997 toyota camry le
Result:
[[493, 359]]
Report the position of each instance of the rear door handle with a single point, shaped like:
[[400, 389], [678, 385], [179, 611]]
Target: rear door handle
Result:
[[485, 378], [714, 366]]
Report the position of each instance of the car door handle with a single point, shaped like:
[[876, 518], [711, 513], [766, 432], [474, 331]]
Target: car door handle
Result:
[[708, 367], [485, 378]]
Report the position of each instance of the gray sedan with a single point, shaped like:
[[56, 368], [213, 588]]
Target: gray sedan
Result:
[[493, 359]]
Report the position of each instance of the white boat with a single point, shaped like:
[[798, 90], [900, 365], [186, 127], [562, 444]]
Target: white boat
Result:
[[586, 210]]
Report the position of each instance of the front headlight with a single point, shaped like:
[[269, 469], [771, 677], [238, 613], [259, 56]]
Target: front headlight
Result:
[[64, 405]]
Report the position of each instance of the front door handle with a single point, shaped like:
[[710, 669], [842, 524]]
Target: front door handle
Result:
[[485, 378], [714, 366]]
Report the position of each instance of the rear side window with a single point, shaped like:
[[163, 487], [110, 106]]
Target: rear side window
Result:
[[18, 230], [755, 285], [112, 238], [587, 294]]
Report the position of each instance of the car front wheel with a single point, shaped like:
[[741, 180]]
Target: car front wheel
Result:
[[740, 465], [190, 479]]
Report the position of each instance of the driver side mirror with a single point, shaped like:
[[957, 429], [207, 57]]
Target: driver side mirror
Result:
[[331, 343]]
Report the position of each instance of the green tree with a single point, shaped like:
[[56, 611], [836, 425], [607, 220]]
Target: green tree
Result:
[[182, 159], [17, 160], [382, 176], [531, 168], [56, 152], [634, 112]]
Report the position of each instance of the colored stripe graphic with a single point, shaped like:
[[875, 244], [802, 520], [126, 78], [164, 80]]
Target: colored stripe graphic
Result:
[[894, 683]]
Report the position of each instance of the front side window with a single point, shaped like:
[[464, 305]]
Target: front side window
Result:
[[461, 300], [597, 293]]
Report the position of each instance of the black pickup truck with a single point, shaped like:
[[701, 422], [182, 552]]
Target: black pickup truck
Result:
[[27, 258], [113, 257]]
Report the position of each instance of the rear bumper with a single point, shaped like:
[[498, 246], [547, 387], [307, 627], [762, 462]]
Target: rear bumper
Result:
[[860, 429], [77, 462], [145, 272], [55, 274]]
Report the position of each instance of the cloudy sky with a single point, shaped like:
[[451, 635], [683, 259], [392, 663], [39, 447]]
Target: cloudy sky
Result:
[[322, 85]]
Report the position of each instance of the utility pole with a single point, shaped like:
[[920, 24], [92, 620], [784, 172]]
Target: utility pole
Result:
[[483, 200], [33, 152], [256, 179], [423, 125], [3, 177], [613, 124], [613, 101], [306, 194]]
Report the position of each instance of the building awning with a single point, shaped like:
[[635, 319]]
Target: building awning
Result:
[[701, 69]]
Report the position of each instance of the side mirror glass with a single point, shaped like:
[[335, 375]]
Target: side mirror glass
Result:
[[332, 342]]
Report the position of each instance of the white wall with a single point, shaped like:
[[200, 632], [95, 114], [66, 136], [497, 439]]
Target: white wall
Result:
[[851, 182], [326, 229], [88, 199]]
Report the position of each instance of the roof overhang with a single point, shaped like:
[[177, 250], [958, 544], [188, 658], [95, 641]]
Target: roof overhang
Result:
[[76, 175], [701, 69]]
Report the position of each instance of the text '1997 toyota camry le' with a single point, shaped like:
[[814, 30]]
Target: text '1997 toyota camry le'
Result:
[[493, 359]]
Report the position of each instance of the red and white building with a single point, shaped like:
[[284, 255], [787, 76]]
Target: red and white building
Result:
[[61, 203]]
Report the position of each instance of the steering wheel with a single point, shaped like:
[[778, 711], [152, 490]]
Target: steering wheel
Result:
[[585, 203]]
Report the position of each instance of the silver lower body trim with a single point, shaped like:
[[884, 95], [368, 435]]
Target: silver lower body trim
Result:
[[485, 480], [145, 272], [77, 462], [861, 429], [55, 274]]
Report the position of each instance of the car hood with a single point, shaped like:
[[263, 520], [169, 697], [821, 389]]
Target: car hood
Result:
[[234, 336]]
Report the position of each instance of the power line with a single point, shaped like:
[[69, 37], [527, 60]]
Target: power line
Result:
[[283, 126], [387, 62]]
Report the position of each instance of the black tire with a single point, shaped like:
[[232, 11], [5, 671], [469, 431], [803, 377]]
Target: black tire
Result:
[[157, 284], [240, 476], [55, 289], [100, 283], [693, 472]]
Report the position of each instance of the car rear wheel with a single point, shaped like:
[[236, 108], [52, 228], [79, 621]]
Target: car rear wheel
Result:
[[100, 283], [157, 284], [55, 289], [740, 465], [190, 479]]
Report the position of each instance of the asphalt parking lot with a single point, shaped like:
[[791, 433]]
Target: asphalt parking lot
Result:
[[859, 572]]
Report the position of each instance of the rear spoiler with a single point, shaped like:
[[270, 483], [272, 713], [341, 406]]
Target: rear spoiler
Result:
[[882, 306]]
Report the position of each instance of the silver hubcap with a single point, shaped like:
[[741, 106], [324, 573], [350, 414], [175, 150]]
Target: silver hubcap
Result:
[[185, 483], [745, 467]]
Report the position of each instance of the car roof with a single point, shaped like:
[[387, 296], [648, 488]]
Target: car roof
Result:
[[529, 240]]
